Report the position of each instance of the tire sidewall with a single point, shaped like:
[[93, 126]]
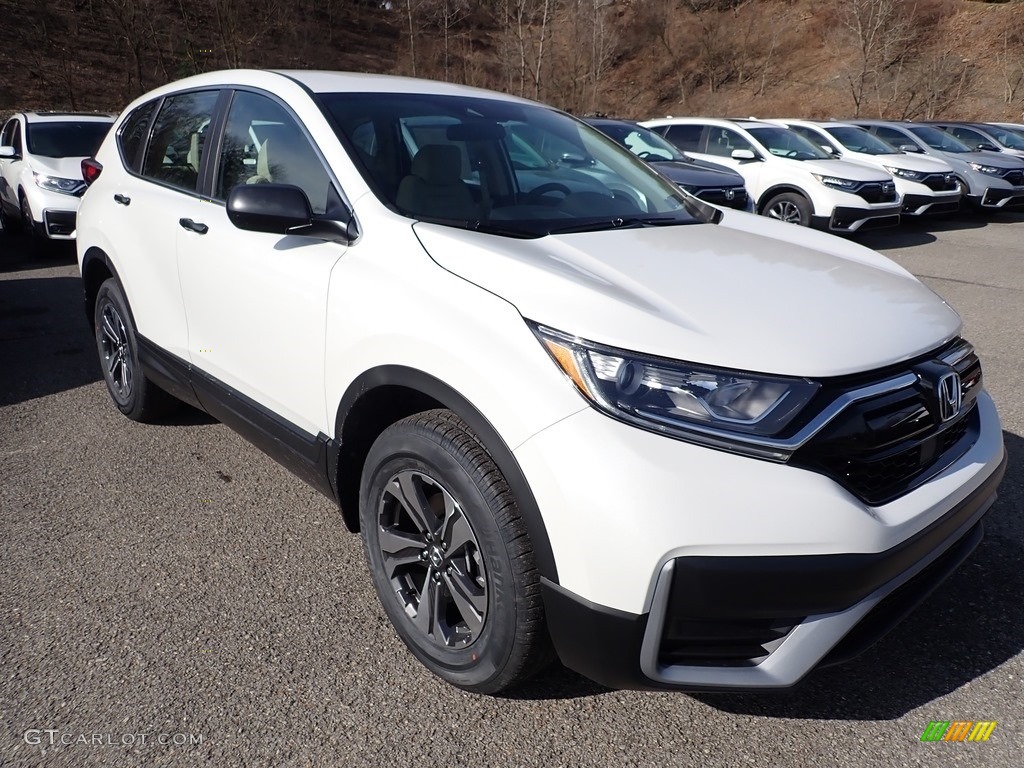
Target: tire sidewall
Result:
[[486, 658]]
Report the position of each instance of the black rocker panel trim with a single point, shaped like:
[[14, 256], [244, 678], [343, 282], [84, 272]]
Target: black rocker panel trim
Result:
[[168, 372], [300, 452], [441, 392]]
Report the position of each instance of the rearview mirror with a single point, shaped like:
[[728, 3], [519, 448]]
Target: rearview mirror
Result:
[[743, 154], [281, 209]]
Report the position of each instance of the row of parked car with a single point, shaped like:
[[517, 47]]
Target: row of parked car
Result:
[[838, 176]]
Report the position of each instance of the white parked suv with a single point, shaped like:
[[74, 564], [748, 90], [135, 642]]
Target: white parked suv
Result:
[[682, 447], [41, 170], [789, 178], [926, 185]]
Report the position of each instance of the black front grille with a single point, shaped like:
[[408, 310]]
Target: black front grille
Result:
[[1015, 177], [883, 447], [940, 182], [722, 197], [878, 193]]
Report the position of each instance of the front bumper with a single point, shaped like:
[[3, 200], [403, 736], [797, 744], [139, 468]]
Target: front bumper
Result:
[[996, 197], [672, 556], [930, 205], [854, 219], [758, 623]]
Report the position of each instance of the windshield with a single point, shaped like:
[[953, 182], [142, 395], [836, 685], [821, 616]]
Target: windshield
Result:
[[642, 142], [940, 140], [509, 168], [786, 143], [1007, 137], [858, 140], [66, 139]]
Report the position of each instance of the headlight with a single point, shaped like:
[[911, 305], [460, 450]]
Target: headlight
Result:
[[56, 184], [730, 410], [989, 169], [905, 173], [835, 182]]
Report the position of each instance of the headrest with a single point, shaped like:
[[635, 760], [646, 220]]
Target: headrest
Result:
[[438, 164]]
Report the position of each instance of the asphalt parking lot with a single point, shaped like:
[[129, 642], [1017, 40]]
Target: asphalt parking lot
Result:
[[171, 597]]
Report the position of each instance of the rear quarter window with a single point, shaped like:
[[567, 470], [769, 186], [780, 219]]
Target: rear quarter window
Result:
[[132, 136]]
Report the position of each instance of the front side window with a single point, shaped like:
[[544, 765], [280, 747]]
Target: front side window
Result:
[[968, 137], [262, 145], [894, 137], [175, 150], [783, 142], [16, 136], [724, 141], [642, 142], [509, 168], [1008, 138], [132, 136], [7, 135], [939, 140]]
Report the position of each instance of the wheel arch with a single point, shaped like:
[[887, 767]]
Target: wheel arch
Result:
[[383, 395], [97, 269]]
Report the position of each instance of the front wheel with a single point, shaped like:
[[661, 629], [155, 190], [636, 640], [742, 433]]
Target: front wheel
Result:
[[790, 208], [133, 393], [449, 554]]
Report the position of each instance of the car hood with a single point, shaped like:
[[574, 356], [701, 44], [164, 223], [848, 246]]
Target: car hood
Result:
[[63, 167], [906, 160], [691, 174], [843, 169], [790, 301]]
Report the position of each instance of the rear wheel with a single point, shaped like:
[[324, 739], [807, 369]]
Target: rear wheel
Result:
[[790, 208], [135, 396], [449, 554]]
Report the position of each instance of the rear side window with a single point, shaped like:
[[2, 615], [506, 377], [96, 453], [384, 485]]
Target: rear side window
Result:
[[686, 137], [175, 151], [132, 136]]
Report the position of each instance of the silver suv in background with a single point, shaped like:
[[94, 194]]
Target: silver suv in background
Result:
[[984, 138], [987, 180]]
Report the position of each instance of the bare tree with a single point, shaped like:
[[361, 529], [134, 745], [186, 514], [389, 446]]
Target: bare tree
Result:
[[882, 34]]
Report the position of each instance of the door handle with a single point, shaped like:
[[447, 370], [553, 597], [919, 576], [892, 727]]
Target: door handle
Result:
[[122, 199], [195, 226]]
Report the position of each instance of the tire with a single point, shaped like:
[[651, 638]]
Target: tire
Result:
[[434, 499], [28, 225], [11, 225], [789, 207], [135, 396]]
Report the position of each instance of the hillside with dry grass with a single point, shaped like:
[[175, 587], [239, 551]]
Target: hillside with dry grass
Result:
[[634, 58]]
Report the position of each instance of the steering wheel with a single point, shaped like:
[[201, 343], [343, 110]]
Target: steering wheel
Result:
[[546, 189], [644, 155], [792, 153]]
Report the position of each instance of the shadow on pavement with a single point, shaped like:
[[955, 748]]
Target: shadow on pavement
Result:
[[16, 256]]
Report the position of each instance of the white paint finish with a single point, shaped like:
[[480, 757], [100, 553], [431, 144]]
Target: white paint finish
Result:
[[629, 500], [709, 294]]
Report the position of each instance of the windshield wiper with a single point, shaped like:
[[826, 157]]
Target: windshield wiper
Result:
[[630, 222]]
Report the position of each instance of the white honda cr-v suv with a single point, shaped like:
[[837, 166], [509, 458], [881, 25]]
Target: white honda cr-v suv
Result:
[[788, 177], [569, 410]]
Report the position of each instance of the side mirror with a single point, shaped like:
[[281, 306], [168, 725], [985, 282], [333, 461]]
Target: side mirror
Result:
[[743, 154], [828, 148], [282, 209], [8, 152], [910, 148], [986, 147]]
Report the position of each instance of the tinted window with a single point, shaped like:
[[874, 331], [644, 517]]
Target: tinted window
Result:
[[686, 137], [133, 135], [969, 137], [263, 144], [7, 136], [723, 142], [509, 168], [894, 137], [859, 140], [810, 134], [175, 151], [641, 141], [1007, 138], [66, 138]]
